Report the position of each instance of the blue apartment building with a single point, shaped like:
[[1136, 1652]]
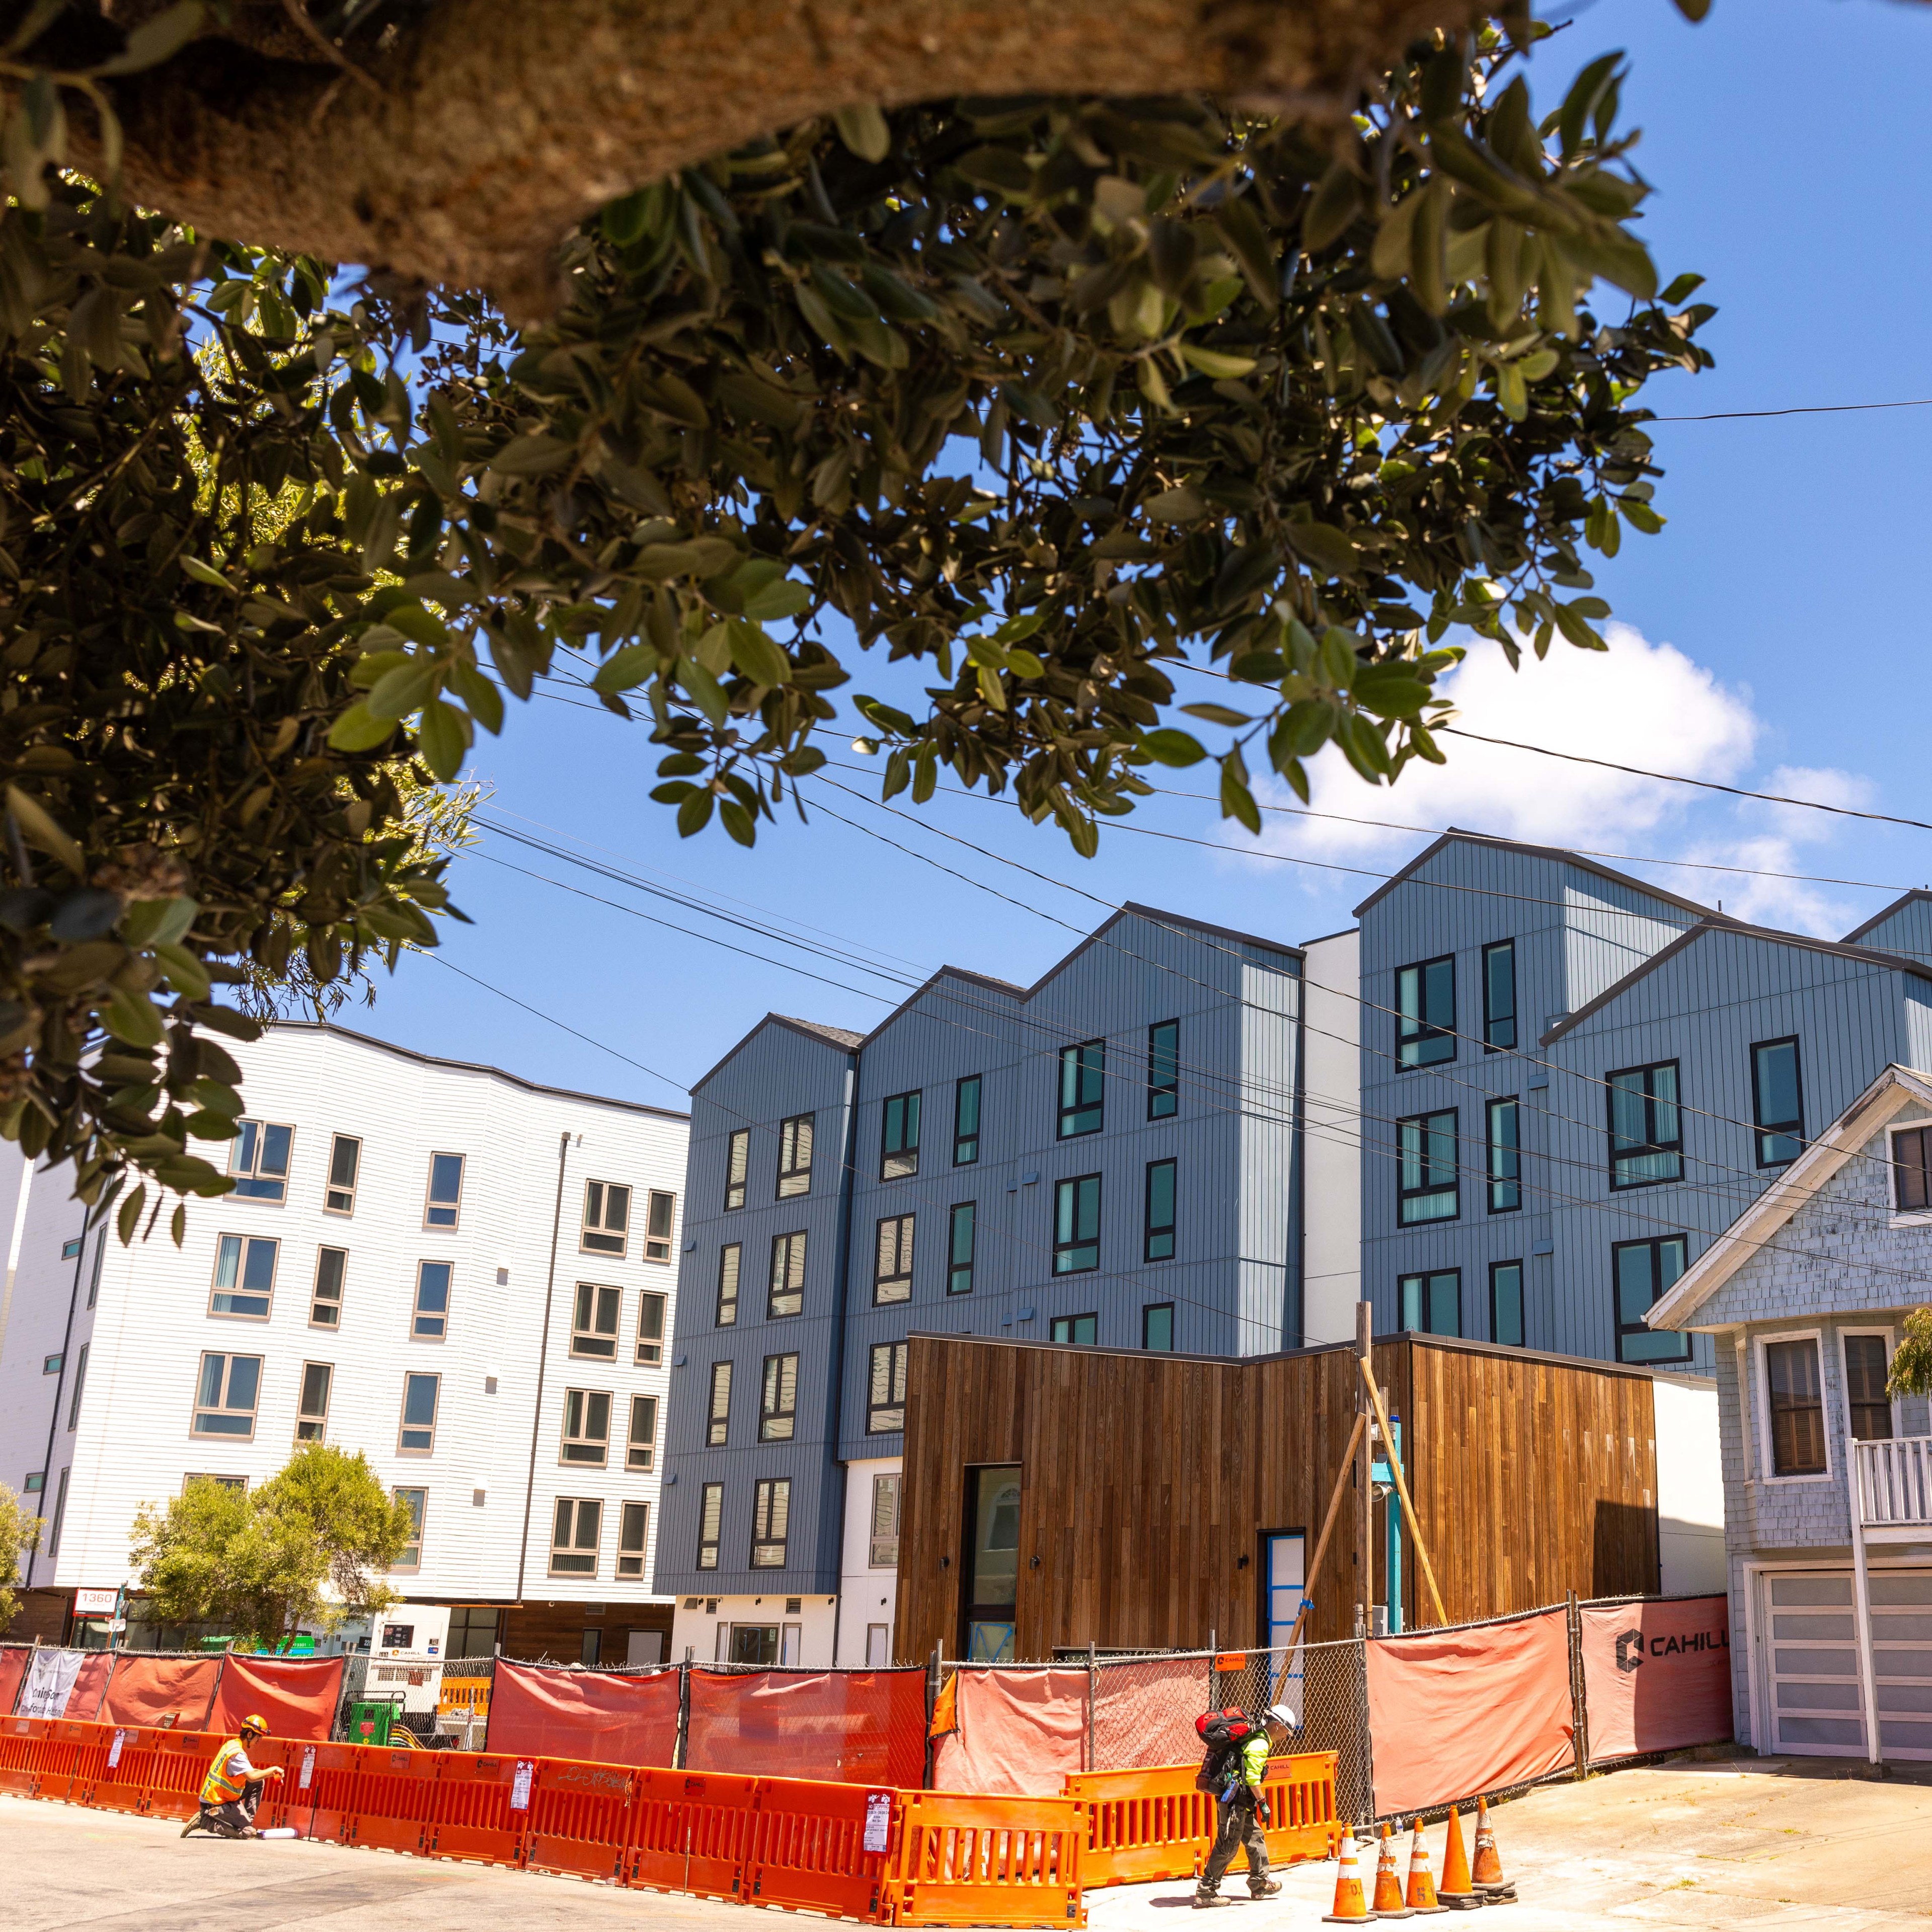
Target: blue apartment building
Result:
[[1572, 1081], [1153, 1148]]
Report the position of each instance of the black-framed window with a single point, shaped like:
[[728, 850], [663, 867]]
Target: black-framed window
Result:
[[1432, 1303], [885, 1389], [737, 1166], [966, 1120], [964, 1234], [1076, 1225], [778, 1401], [891, 1271], [1797, 1403], [710, 1519], [786, 1295], [1425, 1004], [1642, 1272], [718, 1423], [1083, 1079], [1865, 1397], [1778, 1102], [771, 1522], [1505, 1155], [1912, 1169], [1081, 1329], [795, 1156], [1157, 1239], [1506, 1303], [1157, 1326], [1163, 1069], [1499, 996], [1426, 1188], [1646, 1126], [898, 1138], [731, 1258]]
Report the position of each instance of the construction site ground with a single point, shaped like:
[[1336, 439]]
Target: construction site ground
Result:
[[1773, 1843]]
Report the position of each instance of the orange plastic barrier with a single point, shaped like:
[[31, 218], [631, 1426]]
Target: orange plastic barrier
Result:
[[390, 1795], [179, 1767], [809, 1844], [472, 1817], [23, 1746], [173, 1692], [580, 1818], [298, 1695], [1154, 1824], [120, 1781], [692, 1832], [967, 1861]]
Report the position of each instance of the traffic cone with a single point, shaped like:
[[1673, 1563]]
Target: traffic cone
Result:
[[1421, 1895], [1487, 1874], [1388, 1900], [1351, 1907], [1456, 1892]]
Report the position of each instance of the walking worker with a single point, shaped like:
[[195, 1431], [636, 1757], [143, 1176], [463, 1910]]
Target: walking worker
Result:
[[232, 1789], [1239, 1828]]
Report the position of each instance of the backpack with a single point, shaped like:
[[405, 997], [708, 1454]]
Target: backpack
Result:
[[1223, 1733]]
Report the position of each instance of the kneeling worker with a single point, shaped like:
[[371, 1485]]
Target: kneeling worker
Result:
[[232, 1789], [1240, 1828]]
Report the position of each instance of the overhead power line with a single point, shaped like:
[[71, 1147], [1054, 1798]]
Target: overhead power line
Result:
[[1801, 410]]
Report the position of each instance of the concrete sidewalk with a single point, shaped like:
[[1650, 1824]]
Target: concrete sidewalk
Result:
[[1775, 1843]]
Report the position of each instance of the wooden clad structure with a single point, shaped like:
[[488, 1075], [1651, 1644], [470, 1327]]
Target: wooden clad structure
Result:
[[1148, 1481]]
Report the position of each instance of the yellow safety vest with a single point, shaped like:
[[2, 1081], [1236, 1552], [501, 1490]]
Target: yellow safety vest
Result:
[[223, 1785]]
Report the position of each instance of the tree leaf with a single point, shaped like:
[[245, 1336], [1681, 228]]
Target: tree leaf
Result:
[[131, 1017], [1167, 746], [864, 131], [442, 739]]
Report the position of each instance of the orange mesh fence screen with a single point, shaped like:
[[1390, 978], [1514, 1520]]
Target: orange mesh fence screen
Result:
[[594, 1716], [1144, 1711], [173, 1692], [13, 1669], [1657, 1676], [853, 1727], [296, 1695], [85, 1701], [1021, 1733]]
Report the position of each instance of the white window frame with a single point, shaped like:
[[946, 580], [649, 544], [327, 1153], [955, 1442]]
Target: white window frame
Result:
[[1767, 1457], [418, 1313], [435, 1414], [273, 1241], [329, 1189], [453, 1209], [1902, 1217], [302, 1416], [598, 1289], [583, 1398], [400, 1568], [577, 1505], [897, 1478], [196, 1407], [1889, 1335], [601, 1228], [254, 1173]]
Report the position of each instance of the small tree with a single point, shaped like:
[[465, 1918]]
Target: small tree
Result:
[[20, 1532], [308, 1547], [1912, 1364]]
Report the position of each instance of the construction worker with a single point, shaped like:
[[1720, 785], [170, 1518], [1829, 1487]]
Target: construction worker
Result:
[[232, 1789], [1240, 1829]]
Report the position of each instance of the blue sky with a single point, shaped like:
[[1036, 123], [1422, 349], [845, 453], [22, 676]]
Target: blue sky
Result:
[[1767, 643]]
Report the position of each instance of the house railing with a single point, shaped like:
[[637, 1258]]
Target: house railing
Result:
[[1895, 1481]]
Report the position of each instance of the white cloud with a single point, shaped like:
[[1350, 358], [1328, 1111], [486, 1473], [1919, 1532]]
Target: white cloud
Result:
[[1641, 704]]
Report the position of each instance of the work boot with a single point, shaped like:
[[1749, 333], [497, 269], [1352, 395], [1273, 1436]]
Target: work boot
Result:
[[1268, 1888], [1203, 1900], [193, 1825]]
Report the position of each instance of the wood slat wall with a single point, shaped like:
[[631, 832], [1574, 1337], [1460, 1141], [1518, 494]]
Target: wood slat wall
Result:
[[1147, 1479]]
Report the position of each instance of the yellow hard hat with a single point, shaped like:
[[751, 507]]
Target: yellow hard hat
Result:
[[254, 1724]]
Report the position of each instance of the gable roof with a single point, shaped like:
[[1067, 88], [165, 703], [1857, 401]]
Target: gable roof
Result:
[[1892, 962], [1557, 852], [817, 1031], [1894, 1090], [1878, 918]]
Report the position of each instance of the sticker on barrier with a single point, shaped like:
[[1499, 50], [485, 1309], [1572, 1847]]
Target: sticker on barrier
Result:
[[970, 1860], [819, 1847], [692, 1832], [473, 1818], [580, 1818]]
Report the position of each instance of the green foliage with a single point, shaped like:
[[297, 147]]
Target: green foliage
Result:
[[1046, 394], [19, 1534], [305, 1548], [1911, 1362]]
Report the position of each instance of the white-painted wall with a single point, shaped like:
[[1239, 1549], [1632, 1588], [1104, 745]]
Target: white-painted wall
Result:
[[1332, 1191], [147, 1333], [701, 1627], [868, 1594], [1689, 1488]]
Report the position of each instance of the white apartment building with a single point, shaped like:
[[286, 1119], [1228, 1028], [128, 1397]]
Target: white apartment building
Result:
[[470, 1277]]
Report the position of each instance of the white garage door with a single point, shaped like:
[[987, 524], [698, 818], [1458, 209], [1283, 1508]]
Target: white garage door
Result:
[[1815, 1708]]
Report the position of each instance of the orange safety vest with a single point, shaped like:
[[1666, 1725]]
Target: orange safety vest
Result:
[[223, 1785]]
